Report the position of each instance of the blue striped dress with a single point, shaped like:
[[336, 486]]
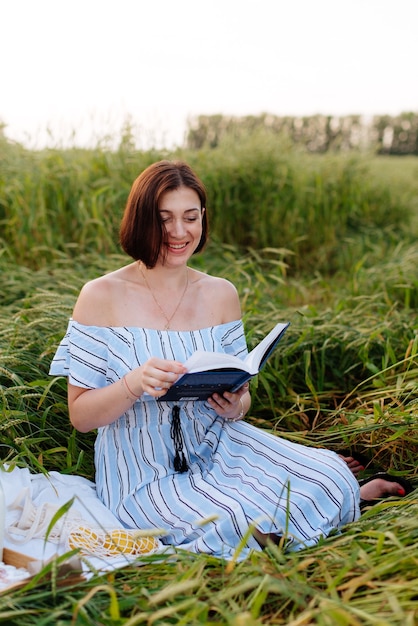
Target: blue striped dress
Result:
[[238, 476]]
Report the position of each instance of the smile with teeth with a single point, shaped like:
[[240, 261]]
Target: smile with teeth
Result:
[[176, 246]]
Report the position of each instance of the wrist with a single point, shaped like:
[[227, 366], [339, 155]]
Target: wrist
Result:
[[129, 392], [240, 414]]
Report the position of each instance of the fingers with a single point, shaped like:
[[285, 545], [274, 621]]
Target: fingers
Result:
[[158, 375], [219, 403], [228, 404], [162, 365], [158, 385]]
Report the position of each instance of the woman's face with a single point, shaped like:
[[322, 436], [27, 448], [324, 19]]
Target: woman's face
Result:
[[181, 215]]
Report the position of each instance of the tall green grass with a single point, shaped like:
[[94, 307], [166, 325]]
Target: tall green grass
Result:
[[366, 576], [326, 243], [353, 352], [262, 193]]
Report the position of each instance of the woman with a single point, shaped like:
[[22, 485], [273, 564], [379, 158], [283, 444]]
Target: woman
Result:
[[196, 470]]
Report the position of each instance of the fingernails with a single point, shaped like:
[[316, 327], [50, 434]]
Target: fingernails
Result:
[[401, 491]]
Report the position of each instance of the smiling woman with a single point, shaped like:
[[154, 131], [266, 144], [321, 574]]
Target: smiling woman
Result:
[[161, 198], [167, 465], [181, 214]]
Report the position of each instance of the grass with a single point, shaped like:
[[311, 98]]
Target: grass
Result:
[[366, 575], [344, 377], [263, 194]]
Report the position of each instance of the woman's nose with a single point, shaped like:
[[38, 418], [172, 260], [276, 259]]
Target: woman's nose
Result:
[[178, 228]]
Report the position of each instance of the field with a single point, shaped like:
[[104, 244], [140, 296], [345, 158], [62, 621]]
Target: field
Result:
[[326, 242]]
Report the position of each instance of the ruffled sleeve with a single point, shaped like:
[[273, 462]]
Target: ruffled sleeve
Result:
[[96, 356], [233, 339], [82, 356]]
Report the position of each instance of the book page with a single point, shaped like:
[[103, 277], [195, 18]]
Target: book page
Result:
[[262, 351], [200, 361]]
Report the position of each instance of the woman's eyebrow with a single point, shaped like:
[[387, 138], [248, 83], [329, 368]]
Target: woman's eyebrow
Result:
[[185, 211]]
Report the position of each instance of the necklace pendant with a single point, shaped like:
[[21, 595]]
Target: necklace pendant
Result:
[[168, 319]]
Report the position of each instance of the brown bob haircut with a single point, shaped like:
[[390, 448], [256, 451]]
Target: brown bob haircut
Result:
[[142, 230]]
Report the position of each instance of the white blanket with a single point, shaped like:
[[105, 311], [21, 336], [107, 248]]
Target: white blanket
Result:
[[38, 493]]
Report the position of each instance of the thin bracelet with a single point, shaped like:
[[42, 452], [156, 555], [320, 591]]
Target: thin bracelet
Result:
[[131, 395], [240, 414]]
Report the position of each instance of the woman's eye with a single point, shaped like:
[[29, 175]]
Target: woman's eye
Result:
[[168, 219]]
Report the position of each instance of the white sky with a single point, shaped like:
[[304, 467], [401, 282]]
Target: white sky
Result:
[[82, 67]]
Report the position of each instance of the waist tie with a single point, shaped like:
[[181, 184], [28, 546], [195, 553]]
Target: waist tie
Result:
[[180, 463]]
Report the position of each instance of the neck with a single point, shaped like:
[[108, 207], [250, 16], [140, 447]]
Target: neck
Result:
[[160, 295], [165, 279]]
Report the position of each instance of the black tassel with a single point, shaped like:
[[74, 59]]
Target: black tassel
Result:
[[180, 463]]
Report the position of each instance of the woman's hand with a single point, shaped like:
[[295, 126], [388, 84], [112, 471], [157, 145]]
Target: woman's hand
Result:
[[231, 406], [154, 377], [94, 408]]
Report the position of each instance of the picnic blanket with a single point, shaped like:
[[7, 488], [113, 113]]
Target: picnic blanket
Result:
[[50, 514]]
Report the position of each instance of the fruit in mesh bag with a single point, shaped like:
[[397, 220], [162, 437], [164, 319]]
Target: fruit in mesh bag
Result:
[[111, 543]]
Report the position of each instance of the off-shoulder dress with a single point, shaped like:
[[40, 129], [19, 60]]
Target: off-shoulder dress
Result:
[[238, 476]]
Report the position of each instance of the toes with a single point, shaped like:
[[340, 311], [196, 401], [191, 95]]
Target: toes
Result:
[[353, 464]]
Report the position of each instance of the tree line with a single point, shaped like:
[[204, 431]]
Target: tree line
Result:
[[382, 134]]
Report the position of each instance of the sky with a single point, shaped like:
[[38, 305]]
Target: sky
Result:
[[74, 71]]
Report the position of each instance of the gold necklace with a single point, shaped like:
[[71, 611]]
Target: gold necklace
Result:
[[168, 319]]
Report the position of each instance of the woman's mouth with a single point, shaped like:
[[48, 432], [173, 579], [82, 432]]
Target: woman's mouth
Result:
[[176, 247]]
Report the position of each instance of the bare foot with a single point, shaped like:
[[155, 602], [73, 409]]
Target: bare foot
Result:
[[381, 488], [355, 466]]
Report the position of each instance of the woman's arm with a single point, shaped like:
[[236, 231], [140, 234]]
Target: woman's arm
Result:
[[93, 408]]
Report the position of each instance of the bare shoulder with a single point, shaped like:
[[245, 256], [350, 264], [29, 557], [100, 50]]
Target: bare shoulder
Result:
[[215, 284], [96, 301], [93, 301], [219, 296]]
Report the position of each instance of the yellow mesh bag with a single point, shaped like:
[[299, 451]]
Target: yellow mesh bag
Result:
[[102, 543]]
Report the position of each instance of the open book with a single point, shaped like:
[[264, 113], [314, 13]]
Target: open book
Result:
[[216, 372]]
